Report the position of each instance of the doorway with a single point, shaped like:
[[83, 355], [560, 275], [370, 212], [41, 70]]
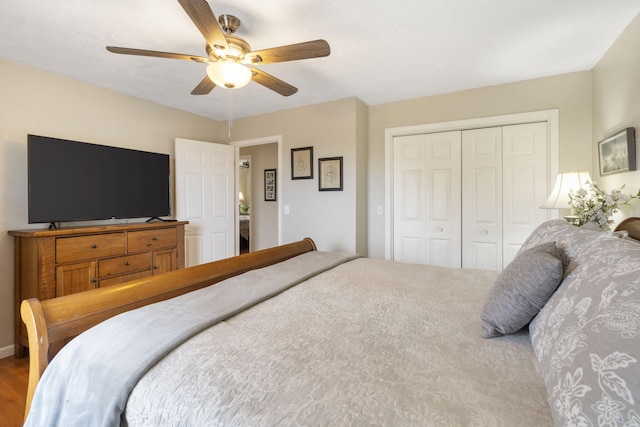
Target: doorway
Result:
[[263, 213], [244, 203]]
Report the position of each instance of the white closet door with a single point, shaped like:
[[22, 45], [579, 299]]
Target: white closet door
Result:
[[443, 199], [482, 198], [408, 209], [427, 199], [525, 177]]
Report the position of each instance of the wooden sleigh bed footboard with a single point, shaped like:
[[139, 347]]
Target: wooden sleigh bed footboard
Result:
[[52, 323]]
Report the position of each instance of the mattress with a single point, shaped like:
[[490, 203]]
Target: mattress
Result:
[[369, 342]]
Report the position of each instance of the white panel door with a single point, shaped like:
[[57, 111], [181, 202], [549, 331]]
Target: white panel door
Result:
[[427, 199], [482, 198], [443, 199], [409, 211], [205, 196], [525, 177]]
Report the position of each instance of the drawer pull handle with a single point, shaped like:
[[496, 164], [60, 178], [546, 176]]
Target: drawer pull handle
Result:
[[94, 280], [93, 246], [127, 263], [154, 238], [155, 267]]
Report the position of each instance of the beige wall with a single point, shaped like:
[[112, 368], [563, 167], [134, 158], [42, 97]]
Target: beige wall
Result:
[[33, 101], [616, 105], [569, 93], [362, 167], [329, 217]]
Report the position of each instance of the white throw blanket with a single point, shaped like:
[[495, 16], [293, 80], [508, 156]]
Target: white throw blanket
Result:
[[84, 387]]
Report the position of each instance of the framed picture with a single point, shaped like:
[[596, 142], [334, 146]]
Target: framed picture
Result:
[[618, 152], [302, 163], [269, 185], [330, 170]]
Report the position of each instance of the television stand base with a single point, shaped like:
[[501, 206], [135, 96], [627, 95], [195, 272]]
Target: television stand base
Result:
[[155, 218]]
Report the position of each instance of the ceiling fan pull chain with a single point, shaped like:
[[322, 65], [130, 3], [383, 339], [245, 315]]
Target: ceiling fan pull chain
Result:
[[230, 121]]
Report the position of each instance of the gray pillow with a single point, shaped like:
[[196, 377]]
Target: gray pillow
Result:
[[586, 337], [522, 289]]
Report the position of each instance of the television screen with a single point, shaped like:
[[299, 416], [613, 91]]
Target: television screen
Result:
[[77, 181]]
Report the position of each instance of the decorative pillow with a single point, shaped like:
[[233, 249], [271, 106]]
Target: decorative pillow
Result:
[[587, 336], [522, 289]]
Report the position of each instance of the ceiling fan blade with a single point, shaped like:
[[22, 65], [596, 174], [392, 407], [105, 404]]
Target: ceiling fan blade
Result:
[[203, 17], [292, 52], [204, 87], [156, 54], [273, 83]]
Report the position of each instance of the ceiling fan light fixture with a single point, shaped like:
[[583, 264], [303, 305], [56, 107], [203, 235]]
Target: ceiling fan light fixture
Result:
[[229, 74]]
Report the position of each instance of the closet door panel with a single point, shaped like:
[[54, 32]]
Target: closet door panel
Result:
[[482, 198], [427, 199], [409, 203], [525, 166], [443, 226]]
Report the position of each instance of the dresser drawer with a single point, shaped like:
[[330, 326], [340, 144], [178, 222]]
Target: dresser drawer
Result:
[[138, 241], [124, 278], [124, 264], [71, 249]]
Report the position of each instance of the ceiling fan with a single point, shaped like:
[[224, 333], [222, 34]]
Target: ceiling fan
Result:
[[230, 61]]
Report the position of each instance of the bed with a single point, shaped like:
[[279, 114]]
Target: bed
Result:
[[296, 336]]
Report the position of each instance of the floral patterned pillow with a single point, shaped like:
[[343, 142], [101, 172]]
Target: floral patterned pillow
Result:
[[570, 239], [587, 336]]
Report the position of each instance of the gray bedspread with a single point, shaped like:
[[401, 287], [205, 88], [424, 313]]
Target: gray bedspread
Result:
[[88, 382], [367, 343]]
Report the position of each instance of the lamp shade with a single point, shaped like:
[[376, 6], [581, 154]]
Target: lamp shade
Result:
[[228, 73], [565, 183]]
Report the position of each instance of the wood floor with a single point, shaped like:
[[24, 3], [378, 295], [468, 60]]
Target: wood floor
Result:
[[14, 375]]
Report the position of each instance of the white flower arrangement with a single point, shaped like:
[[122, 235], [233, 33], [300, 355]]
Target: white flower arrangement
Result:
[[595, 206]]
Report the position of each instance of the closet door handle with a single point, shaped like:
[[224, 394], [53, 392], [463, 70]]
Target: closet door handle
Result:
[[484, 232], [439, 229]]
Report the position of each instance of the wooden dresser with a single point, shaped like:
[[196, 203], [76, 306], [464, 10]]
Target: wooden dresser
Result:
[[53, 263]]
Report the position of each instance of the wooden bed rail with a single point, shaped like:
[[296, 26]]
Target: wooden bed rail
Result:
[[51, 323]]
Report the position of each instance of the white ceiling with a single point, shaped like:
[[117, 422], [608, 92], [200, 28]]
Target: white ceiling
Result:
[[381, 50]]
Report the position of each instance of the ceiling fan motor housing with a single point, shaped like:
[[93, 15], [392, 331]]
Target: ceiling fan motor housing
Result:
[[238, 48]]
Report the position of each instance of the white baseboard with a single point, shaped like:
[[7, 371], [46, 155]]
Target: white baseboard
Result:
[[6, 351]]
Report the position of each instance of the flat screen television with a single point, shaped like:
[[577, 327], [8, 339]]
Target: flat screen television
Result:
[[78, 181]]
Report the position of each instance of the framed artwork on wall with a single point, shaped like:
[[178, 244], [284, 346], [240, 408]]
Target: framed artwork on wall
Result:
[[269, 185], [302, 163], [330, 170], [618, 152]]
